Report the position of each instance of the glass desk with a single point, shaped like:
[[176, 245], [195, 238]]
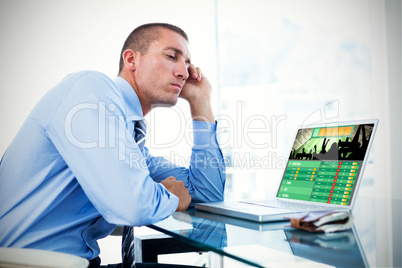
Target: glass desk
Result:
[[374, 240]]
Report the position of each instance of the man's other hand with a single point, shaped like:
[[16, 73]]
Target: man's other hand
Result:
[[197, 91], [177, 188]]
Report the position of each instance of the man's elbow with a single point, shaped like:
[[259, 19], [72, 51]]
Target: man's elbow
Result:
[[212, 194]]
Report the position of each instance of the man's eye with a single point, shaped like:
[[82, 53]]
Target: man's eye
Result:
[[172, 57]]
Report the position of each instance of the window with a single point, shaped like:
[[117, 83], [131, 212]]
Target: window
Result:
[[284, 64]]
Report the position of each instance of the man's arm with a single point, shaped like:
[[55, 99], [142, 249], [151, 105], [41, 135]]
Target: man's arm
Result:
[[205, 178]]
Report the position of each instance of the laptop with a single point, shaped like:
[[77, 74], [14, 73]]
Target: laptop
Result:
[[323, 172]]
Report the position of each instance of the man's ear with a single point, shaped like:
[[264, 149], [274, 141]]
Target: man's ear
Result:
[[130, 57]]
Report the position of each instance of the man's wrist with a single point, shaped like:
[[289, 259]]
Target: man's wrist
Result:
[[201, 110]]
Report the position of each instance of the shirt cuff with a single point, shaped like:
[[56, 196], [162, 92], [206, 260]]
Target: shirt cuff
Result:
[[204, 134]]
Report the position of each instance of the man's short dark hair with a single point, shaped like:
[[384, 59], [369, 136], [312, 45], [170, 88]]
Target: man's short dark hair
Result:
[[141, 37]]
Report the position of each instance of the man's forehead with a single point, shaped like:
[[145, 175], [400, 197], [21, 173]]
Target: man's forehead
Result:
[[170, 40]]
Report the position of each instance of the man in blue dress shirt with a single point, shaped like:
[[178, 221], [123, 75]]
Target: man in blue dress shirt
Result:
[[73, 172]]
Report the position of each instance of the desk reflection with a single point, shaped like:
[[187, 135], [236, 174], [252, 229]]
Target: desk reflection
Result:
[[340, 249], [209, 233], [217, 233]]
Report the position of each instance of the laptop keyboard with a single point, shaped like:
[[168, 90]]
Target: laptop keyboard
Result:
[[287, 205]]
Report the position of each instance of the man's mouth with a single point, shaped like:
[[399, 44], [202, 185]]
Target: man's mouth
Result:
[[179, 86]]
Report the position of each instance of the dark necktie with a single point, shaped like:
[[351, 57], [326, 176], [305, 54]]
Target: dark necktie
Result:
[[127, 247]]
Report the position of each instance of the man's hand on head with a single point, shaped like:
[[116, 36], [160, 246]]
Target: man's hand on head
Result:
[[196, 86], [178, 189], [197, 91]]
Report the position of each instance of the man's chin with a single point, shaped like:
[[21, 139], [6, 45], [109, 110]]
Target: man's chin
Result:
[[166, 104]]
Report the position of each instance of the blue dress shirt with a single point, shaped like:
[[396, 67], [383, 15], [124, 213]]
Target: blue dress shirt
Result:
[[74, 172]]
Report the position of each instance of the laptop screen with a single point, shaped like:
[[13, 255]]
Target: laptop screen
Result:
[[325, 163]]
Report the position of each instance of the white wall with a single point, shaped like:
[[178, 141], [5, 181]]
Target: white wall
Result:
[[393, 19]]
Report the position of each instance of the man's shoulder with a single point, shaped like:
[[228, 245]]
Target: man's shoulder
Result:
[[81, 87], [88, 74], [89, 83]]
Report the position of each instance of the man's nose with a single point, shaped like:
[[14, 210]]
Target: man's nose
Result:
[[181, 70]]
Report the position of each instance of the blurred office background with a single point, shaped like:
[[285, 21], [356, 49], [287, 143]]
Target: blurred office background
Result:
[[273, 65]]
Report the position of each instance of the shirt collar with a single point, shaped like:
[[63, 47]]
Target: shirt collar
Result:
[[134, 109]]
